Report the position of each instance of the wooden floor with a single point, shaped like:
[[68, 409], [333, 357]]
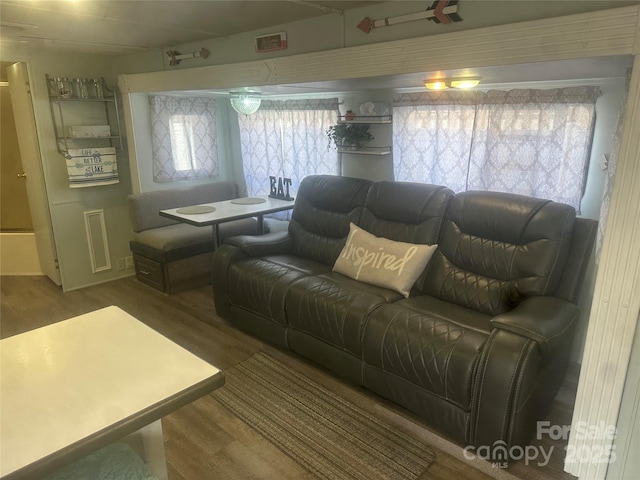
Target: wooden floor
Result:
[[203, 440]]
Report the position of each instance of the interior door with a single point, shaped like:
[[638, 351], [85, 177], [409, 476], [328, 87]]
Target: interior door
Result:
[[31, 161], [14, 203]]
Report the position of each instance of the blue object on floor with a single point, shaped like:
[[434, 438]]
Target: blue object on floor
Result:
[[115, 462]]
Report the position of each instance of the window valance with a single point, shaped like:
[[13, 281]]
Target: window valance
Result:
[[584, 94], [304, 104]]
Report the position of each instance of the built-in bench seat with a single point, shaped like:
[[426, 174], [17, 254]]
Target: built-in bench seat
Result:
[[172, 256]]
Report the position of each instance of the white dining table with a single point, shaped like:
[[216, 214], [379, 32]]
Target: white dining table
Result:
[[75, 386], [216, 213]]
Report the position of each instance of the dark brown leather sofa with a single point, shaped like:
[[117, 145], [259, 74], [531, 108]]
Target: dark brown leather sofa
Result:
[[479, 348]]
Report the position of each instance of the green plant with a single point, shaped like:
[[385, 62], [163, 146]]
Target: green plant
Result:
[[349, 135]]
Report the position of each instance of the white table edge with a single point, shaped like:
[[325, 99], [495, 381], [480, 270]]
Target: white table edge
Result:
[[117, 431], [193, 219]]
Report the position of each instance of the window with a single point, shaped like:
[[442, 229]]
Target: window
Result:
[[183, 138], [287, 139], [531, 142]]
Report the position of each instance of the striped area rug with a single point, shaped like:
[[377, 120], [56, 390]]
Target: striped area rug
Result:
[[327, 435]]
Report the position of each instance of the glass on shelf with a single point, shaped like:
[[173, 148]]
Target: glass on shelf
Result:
[[63, 87], [98, 88], [75, 88], [80, 88]]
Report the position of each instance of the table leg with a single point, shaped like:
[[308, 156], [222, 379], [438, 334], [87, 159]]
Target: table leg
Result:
[[154, 449], [216, 235], [260, 225], [148, 442]]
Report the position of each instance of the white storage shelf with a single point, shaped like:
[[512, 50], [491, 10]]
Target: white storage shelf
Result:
[[365, 150], [370, 120]]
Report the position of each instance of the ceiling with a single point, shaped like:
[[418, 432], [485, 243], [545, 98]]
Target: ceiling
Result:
[[126, 26]]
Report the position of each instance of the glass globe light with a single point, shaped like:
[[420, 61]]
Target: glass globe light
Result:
[[245, 104]]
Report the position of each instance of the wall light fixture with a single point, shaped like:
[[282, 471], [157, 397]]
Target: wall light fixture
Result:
[[444, 83], [436, 85]]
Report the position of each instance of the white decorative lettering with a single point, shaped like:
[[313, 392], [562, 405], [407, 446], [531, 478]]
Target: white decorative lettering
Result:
[[361, 257]]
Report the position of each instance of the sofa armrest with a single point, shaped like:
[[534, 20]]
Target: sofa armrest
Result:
[[541, 319], [261, 245], [235, 249], [524, 360]]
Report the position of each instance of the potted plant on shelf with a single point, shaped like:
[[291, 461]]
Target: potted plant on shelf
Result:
[[349, 135]]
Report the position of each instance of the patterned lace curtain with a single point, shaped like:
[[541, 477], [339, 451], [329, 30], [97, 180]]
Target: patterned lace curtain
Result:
[[183, 138], [530, 142], [287, 139], [432, 137]]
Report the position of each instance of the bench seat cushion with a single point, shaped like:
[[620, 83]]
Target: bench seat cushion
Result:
[[173, 237], [181, 235], [178, 241]]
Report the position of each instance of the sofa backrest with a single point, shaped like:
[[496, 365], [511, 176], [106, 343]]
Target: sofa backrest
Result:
[[405, 212], [144, 207], [325, 205], [496, 248]]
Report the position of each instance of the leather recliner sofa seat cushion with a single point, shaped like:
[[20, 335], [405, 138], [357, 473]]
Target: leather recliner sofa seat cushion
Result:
[[496, 248], [332, 307], [430, 344], [328, 312], [258, 283], [427, 350]]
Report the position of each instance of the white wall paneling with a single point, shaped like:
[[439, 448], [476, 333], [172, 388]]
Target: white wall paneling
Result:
[[627, 442]]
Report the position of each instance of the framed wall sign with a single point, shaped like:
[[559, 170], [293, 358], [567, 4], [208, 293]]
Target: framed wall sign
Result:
[[271, 42]]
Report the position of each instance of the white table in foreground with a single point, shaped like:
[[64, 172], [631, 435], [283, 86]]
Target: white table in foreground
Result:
[[75, 386], [227, 211]]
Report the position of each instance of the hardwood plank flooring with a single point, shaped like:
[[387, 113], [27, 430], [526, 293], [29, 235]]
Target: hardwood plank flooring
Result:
[[203, 440]]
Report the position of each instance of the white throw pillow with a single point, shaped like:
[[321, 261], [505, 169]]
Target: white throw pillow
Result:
[[382, 262]]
